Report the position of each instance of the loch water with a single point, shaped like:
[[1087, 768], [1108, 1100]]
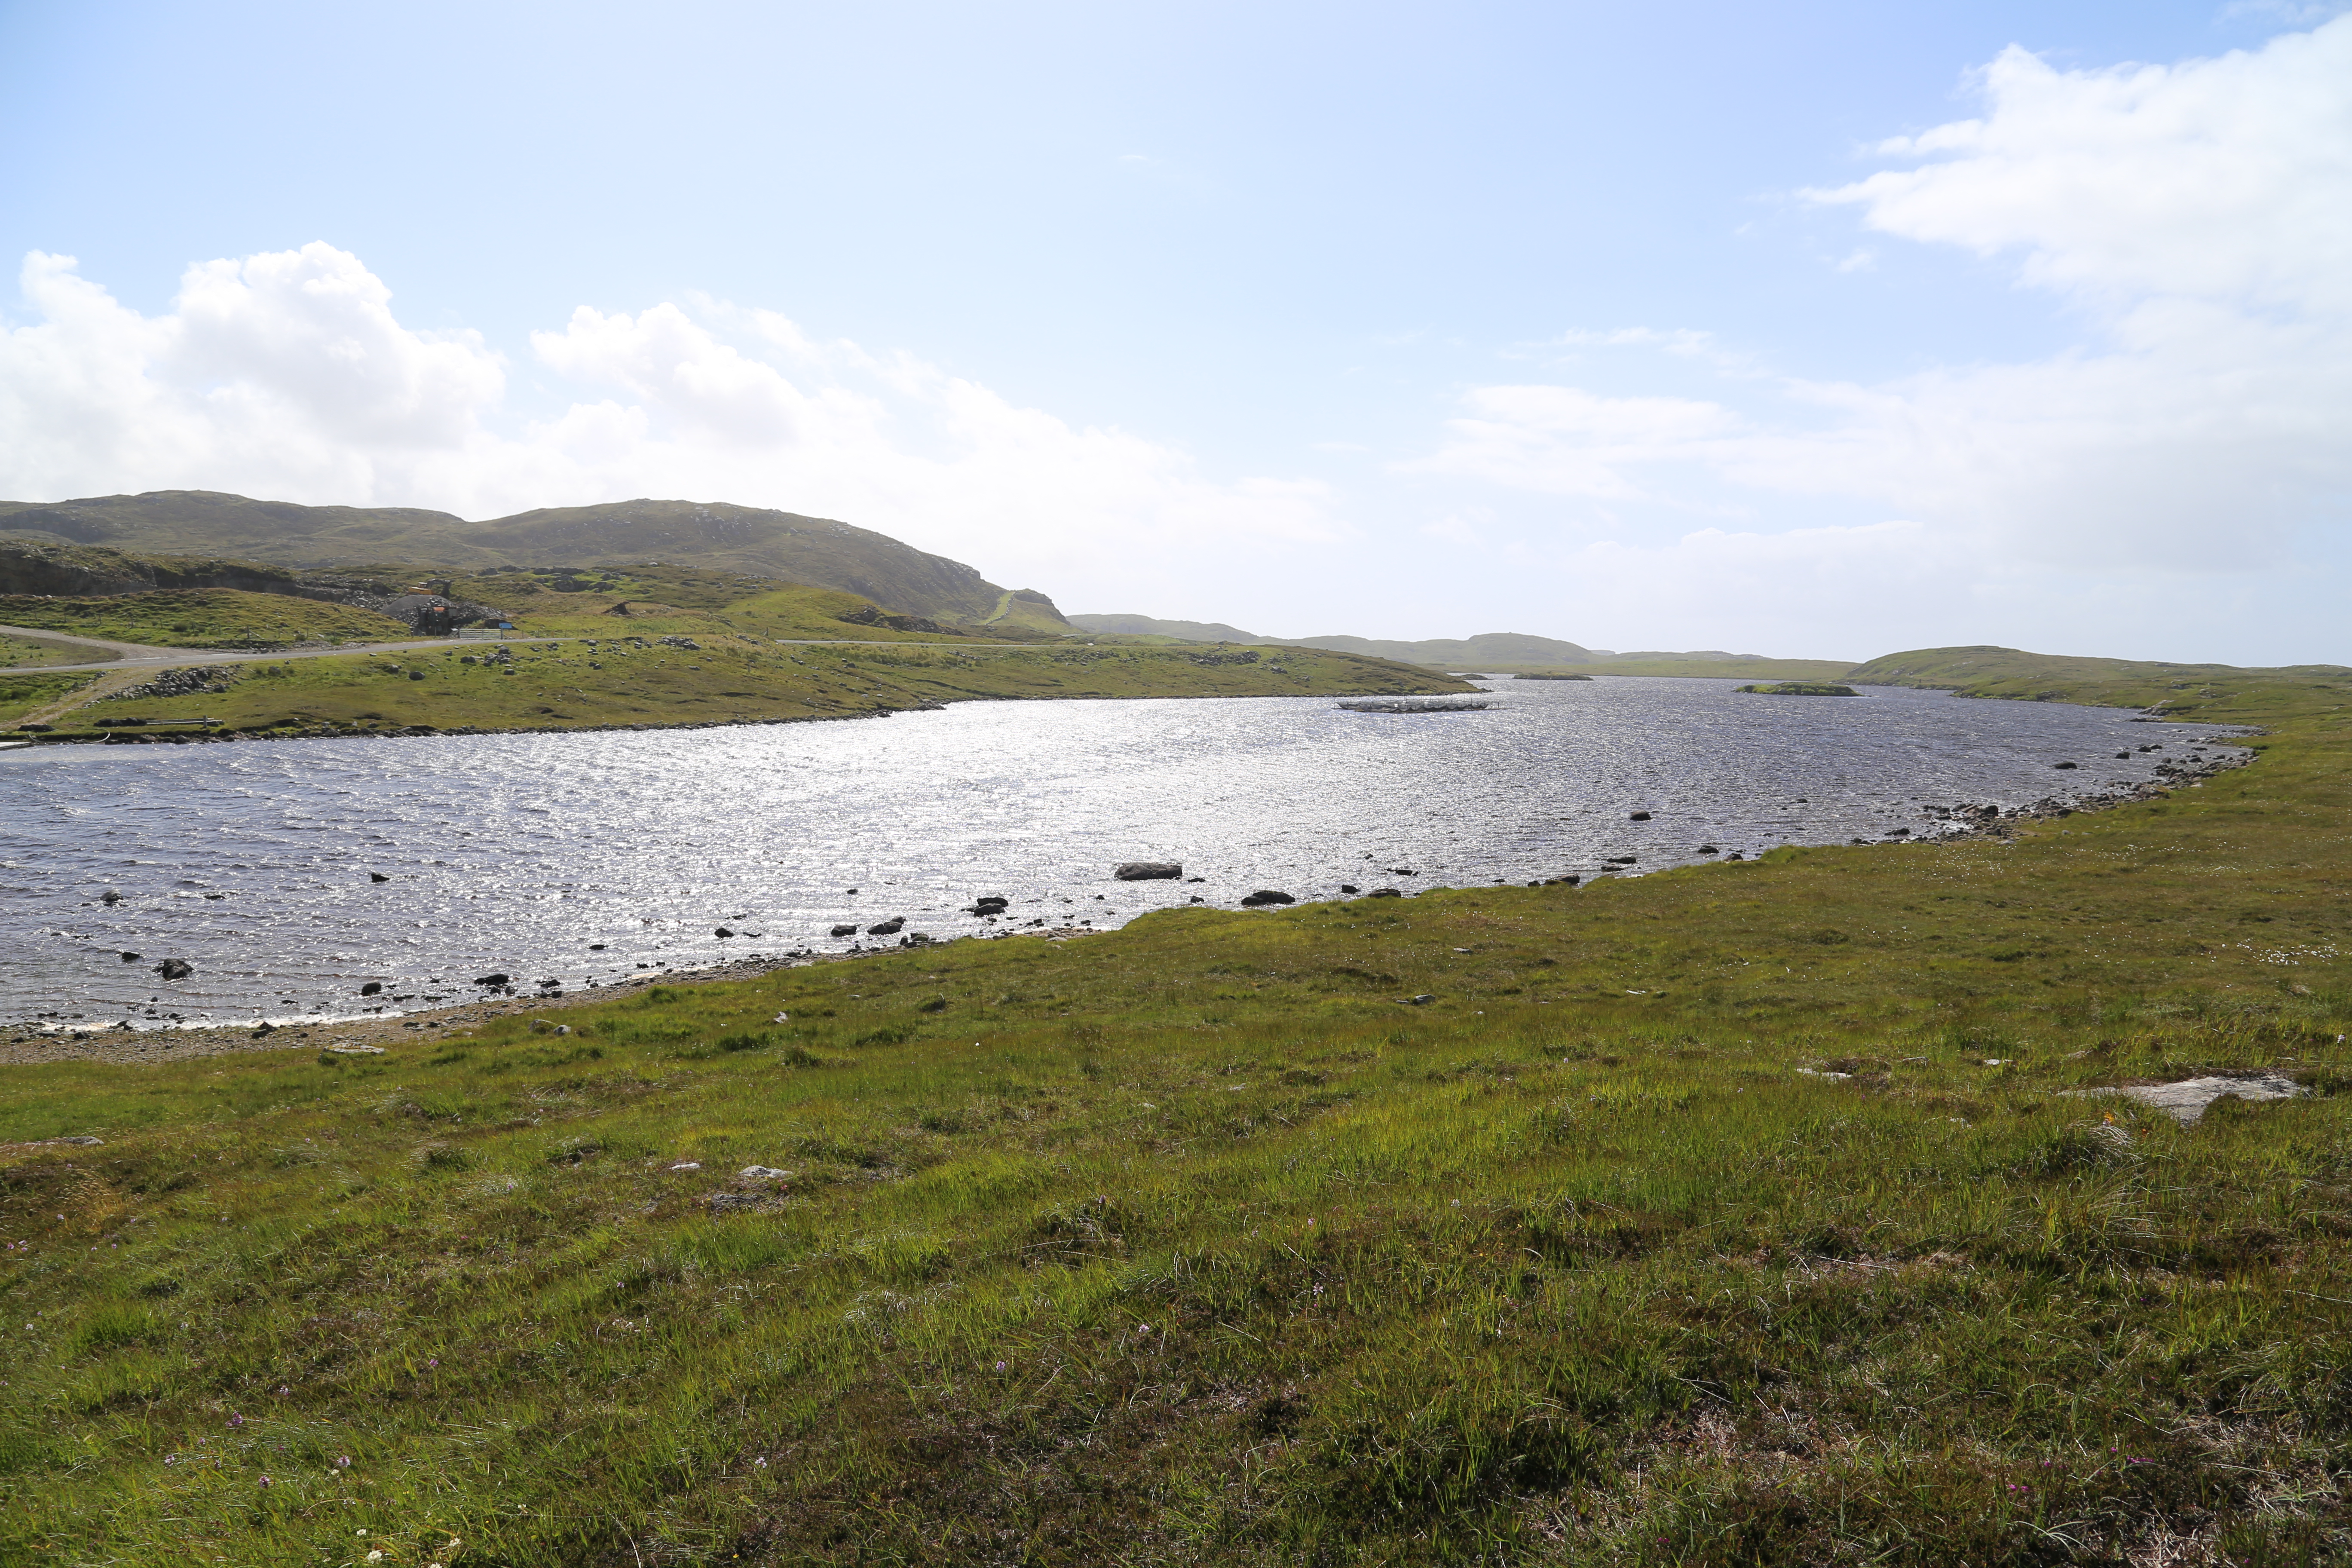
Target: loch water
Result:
[[593, 857]]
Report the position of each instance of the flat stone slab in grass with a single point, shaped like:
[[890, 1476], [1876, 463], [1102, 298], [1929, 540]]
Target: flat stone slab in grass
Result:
[[2186, 1101]]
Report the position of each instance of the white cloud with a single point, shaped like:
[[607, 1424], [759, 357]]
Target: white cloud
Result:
[[1562, 440], [2219, 179], [288, 376], [2199, 215]]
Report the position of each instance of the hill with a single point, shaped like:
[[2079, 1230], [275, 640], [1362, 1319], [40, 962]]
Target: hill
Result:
[[1984, 670], [1151, 626], [1507, 652], [1486, 647], [719, 536]]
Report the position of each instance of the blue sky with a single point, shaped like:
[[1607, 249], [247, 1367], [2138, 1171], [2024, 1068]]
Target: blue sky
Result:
[[1401, 321]]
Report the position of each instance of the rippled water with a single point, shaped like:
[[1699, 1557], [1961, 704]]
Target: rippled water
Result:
[[516, 853]]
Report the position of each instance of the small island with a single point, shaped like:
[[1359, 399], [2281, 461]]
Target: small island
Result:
[[1800, 689], [1549, 674]]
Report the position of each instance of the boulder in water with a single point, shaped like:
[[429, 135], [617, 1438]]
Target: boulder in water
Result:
[[1149, 871], [1267, 896]]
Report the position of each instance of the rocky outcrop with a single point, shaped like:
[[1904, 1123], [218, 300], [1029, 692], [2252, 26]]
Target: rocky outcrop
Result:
[[187, 682], [876, 615]]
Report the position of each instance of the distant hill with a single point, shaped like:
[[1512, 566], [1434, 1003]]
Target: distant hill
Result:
[[1983, 665], [1147, 627], [1491, 647], [716, 535], [1486, 647]]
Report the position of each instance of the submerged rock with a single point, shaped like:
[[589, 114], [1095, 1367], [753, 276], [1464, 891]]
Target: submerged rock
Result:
[[176, 969], [1413, 705]]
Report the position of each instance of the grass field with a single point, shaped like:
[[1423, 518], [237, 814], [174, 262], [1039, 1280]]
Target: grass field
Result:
[[21, 694], [627, 676], [201, 617], [26, 653], [1195, 1243]]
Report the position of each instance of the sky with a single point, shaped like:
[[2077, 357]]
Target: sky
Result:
[[1816, 330]]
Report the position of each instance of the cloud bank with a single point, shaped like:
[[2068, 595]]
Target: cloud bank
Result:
[[2196, 219], [2183, 469], [287, 376]]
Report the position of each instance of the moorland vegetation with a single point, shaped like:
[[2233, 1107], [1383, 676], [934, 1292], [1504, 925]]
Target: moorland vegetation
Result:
[[1757, 1212]]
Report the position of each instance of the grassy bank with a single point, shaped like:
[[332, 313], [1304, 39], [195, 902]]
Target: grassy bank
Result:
[[27, 653], [627, 676], [21, 694], [201, 617], [1193, 1242]]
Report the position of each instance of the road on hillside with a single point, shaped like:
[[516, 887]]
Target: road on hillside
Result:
[[131, 653]]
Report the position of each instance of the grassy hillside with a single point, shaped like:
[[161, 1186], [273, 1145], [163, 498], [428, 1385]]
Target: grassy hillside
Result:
[[715, 536], [1192, 1243], [1151, 626], [1986, 671], [1714, 669], [25, 652], [1500, 653], [627, 677], [22, 694], [202, 618]]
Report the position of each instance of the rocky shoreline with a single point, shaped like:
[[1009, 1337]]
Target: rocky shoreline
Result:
[[23, 1045], [26, 1043], [1993, 822]]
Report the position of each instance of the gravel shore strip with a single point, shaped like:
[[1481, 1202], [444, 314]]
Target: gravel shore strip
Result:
[[118, 1044], [23, 1046]]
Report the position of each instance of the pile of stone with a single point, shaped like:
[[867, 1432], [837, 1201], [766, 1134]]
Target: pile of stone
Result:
[[187, 682]]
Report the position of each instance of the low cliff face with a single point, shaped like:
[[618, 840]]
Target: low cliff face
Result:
[[84, 572]]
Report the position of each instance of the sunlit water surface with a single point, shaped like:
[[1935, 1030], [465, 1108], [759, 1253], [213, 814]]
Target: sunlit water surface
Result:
[[517, 853]]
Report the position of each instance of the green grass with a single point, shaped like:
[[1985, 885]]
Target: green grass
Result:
[[25, 652], [726, 677], [201, 617], [1987, 671], [22, 694], [1190, 1243]]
